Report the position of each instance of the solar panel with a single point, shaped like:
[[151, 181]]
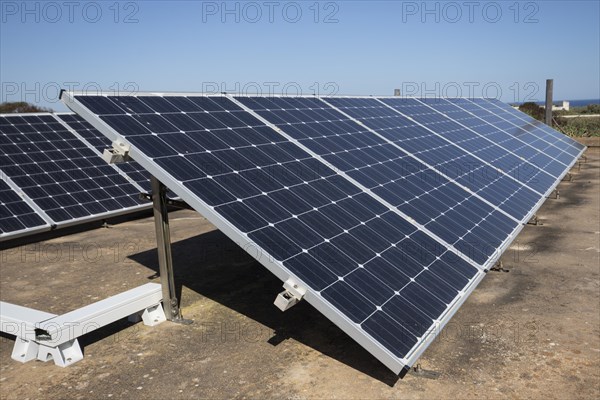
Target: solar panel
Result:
[[100, 142], [548, 160], [447, 211], [501, 177], [60, 173], [17, 217], [532, 127], [544, 156], [314, 196]]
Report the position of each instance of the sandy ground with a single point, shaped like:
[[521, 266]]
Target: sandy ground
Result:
[[533, 331]]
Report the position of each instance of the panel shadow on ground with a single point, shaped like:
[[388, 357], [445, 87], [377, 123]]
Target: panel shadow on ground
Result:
[[213, 266]]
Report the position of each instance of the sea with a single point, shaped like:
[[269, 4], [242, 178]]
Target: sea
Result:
[[583, 103]]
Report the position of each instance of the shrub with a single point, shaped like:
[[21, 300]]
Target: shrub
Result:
[[21, 107]]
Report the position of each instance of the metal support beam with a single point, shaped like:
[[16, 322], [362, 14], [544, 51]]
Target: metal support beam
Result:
[[170, 202], [582, 159], [548, 115], [44, 336], [163, 242]]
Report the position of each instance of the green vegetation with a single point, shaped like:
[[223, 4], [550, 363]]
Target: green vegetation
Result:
[[579, 127], [21, 107], [575, 127], [533, 110]]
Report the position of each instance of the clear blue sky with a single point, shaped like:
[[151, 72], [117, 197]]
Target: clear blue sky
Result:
[[349, 47]]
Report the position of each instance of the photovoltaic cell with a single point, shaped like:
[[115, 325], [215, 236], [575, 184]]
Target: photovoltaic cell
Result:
[[539, 155], [545, 156], [16, 216], [459, 218], [532, 129], [100, 142], [59, 173], [319, 198], [473, 161]]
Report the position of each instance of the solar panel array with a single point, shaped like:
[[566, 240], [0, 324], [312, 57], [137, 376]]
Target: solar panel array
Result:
[[387, 211], [52, 178]]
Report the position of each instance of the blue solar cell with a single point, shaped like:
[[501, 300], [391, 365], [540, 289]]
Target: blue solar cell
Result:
[[453, 151], [393, 334], [531, 130], [390, 173], [505, 151], [15, 214], [56, 170], [132, 169]]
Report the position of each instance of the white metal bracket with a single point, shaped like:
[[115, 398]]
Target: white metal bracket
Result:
[[292, 294], [44, 336], [63, 355], [118, 154], [25, 350], [151, 316]]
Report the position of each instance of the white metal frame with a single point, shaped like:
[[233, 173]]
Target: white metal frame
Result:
[[45, 336], [277, 268]]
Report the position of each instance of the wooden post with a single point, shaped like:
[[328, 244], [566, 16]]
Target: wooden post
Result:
[[548, 119]]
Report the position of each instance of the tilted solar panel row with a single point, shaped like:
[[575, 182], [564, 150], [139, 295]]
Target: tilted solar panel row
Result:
[[359, 201], [58, 175]]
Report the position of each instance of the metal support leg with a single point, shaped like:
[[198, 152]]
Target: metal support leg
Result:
[[534, 221], [163, 242], [499, 267], [582, 159]]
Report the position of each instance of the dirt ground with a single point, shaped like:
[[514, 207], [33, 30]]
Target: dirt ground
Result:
[[533, 331]]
